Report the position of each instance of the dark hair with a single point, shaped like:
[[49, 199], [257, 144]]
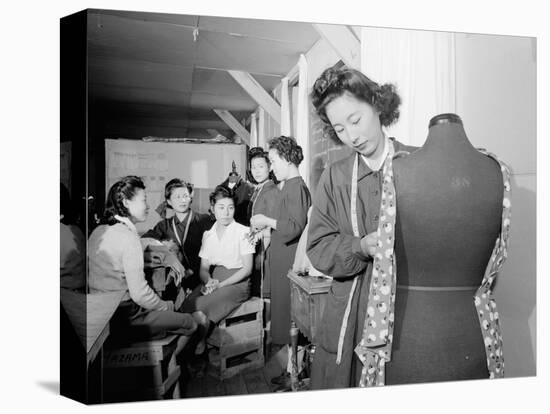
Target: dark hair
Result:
[[66, 207], [257, 152], [335, 82], [124, 189], [287, 148], [220, 192], [176, 183]]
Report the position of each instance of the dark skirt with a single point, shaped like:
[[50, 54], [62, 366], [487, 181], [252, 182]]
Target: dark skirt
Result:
[[133, 323], [220, 303]]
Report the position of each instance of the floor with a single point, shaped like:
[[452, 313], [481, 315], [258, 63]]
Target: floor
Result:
[[255, 381]]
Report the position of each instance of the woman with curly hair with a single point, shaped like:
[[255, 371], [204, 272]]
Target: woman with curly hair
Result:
[[288, 220], [344, 219], [115, 263]]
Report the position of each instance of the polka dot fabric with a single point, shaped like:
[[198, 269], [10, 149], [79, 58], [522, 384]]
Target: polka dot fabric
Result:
[[483, 299], [374, 349], [375, 346]]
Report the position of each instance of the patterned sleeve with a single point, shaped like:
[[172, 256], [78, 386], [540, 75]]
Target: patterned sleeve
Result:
[[245, 247]]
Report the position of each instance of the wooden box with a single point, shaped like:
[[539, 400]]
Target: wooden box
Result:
[[307, 302], [144, 370], [237, 342]]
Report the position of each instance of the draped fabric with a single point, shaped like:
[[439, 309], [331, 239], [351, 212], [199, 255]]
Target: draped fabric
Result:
[[302, 127], [253, 130], [285, 108], [374, 349]]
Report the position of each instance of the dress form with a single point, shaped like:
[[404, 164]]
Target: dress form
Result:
[[449, 206]]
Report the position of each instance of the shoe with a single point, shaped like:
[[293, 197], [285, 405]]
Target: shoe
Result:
[[281, 379], [283, 388], [201, 348]]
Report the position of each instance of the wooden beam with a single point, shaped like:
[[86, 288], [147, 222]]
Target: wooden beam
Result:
[[234, 124], [258, 93], [343, 41]]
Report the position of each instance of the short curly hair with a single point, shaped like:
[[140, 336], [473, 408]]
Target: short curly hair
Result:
[[124, 189], [334, 82], [287, 148], [258, 152], [176, 183], [220, 192]]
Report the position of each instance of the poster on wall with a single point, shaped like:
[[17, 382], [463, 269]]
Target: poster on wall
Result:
[[203, 165]]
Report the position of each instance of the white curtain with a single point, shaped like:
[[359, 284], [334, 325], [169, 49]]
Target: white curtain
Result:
[[302, 128], [285, 108], [253, 130], [262, 141], [422, 66]]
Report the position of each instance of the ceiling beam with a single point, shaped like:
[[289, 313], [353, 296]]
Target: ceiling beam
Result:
[[258, 93], [343, 41], [234, 124]]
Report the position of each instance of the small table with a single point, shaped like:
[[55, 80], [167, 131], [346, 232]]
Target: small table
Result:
[[308, 297], [89, 315], [307, 302]]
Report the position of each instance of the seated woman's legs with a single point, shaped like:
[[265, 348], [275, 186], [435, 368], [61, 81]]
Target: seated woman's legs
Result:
[[203, 326]]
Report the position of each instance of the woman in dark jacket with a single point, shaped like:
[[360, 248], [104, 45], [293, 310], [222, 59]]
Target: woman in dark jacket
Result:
[[185, 228], [342, 233]]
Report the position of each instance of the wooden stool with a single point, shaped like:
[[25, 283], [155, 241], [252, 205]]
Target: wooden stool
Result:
[[143, 370], [237, 342]]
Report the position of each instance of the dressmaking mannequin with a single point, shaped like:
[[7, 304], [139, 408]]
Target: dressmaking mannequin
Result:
[[449, 207]]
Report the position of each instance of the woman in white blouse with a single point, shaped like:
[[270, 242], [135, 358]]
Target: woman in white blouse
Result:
[[226, 264]]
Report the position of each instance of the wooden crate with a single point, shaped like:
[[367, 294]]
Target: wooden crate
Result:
[[143, 370], [236, 344], [308, 296]]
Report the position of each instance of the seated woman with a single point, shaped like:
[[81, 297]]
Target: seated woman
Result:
[[115, 262], [226, 248], [185, 228]]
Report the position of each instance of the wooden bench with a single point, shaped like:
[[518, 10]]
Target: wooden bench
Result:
[[236, 344], [143, 370]]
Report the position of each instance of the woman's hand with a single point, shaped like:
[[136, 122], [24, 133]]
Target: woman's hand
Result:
[[258, 222], [253, 237], [368, 244], [210, 286]]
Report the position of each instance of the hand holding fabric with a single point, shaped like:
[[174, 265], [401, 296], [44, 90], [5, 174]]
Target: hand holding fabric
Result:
[[210, 286], [368, 244], [259, 222]]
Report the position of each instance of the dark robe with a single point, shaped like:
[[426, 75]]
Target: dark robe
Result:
[[262, 202], [290, 211], [335, 251], [164, 230], [243, 193]]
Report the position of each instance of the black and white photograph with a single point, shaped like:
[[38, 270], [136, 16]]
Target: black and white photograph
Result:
[[277, 207]]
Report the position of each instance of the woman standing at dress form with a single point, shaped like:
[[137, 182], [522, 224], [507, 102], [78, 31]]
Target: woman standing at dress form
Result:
[[342, 233], [287, 224]]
